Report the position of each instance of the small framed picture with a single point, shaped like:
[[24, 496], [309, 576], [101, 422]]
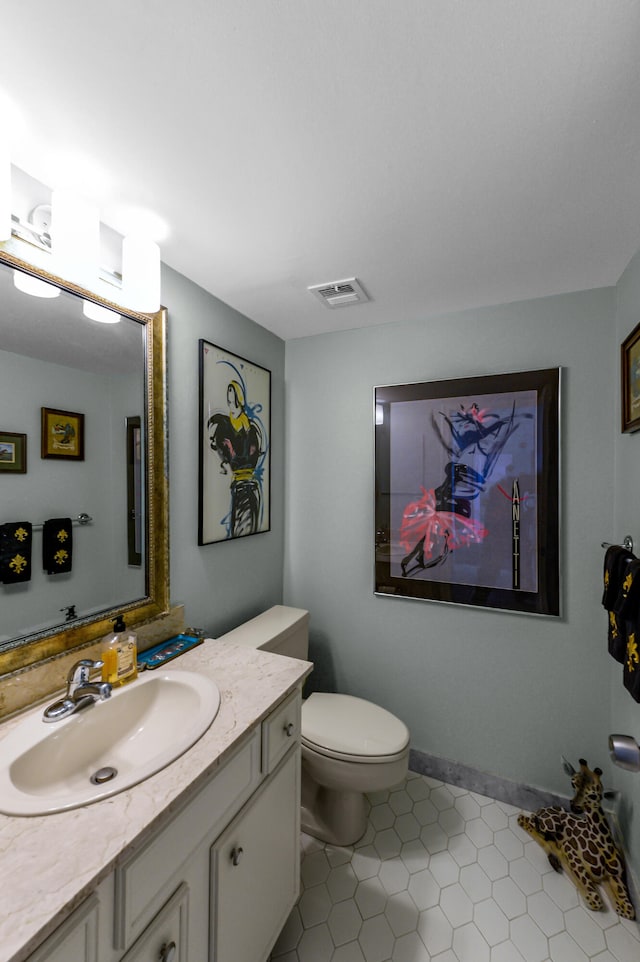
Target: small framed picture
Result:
[[13, 452], [62, 435], [630, 382]]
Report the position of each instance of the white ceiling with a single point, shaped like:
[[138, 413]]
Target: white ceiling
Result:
[[447, 154]]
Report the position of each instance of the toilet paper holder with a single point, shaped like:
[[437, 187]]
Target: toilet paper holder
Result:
[[625, 752]]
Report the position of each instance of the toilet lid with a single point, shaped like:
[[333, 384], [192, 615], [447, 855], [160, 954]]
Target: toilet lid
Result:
[[351, 726]]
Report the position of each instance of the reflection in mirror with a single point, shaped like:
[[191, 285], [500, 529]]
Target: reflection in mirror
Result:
[[53, 356], [135, 481]]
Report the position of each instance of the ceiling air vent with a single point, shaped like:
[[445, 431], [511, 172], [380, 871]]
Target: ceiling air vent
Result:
[[340, 293]]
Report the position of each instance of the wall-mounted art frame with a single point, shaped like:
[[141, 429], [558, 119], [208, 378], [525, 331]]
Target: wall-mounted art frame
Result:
[[62, 435], [234, 493], [13, 453], [630, 382], [467, 475]]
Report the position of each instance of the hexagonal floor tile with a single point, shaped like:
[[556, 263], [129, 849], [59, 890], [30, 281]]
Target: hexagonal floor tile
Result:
[[443, 874]]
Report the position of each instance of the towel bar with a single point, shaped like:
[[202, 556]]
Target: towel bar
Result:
[[627, 542]]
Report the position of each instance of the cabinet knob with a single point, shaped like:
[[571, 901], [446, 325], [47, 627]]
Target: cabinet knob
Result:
[[168, 952], [289, 729], [236, 855]]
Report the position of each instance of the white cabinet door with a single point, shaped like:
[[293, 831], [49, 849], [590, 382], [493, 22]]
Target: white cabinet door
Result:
[[256, 869], [145, 880]]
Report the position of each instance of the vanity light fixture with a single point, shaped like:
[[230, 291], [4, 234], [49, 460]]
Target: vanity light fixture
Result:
[[96, 312], [5, 193], [140, 273], [75, 237], [11, 133], [34, 286], [70, 235]]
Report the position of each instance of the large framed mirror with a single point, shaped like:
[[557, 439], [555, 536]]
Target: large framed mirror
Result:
[[62, 373]]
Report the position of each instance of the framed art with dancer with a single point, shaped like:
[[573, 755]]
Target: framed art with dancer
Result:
[[235, 438], [467, 475]]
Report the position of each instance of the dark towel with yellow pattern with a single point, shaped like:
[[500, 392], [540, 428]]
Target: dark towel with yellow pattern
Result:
[[57, 545], [15, 551], [631, 673], [617, 561], [628, 612]]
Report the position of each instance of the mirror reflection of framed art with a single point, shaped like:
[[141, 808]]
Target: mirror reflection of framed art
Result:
[[62, 434], [13, 452]]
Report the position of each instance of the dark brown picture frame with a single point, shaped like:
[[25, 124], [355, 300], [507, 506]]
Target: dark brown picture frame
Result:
[[13, 453], [62, 435], [630, 381]]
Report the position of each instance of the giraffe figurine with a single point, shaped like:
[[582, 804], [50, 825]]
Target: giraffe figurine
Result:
[[580, 841]]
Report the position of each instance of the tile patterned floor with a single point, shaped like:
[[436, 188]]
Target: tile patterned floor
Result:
[[444, 875]]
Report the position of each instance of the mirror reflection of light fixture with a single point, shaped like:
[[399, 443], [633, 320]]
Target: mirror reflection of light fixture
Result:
[[75, 237], [96, 312], [625, 752], [379, 414], [34, 286], [140, 273]]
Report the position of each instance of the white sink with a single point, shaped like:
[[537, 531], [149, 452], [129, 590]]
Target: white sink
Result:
[[145, 725]]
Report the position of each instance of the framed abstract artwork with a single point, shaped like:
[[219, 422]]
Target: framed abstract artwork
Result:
[[630, 382], [467, 476], [13, 452], [62, 435], [235, 439]]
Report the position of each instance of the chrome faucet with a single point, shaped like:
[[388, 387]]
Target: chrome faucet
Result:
[[81, 691]]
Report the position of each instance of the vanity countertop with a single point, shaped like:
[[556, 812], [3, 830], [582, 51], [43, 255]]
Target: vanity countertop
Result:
[[49, 864]]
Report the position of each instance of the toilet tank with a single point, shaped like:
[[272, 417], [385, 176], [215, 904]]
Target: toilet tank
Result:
[[280, 629]]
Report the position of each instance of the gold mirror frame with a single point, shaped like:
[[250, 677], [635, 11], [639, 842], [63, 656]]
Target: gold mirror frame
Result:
[[52, 642]]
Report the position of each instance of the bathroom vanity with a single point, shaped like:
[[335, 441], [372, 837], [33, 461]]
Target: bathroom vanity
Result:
[[199, 862]]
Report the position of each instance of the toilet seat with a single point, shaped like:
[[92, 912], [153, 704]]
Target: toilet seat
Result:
[[352, 729]]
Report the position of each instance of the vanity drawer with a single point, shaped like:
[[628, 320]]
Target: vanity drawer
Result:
[[167, 936], [145, 880], [280, 731]]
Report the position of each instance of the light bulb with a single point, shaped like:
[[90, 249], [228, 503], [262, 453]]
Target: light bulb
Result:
[[141, 273], [34, 286], [96, 312], [75, 237]]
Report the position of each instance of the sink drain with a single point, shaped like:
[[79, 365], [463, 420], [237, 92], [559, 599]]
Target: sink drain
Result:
[[103, 775]]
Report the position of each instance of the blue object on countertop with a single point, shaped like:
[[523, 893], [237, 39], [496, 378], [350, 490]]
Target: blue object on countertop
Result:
[[160, 654]]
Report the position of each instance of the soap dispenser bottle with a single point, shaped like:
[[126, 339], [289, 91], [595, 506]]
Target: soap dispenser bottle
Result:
[[120, 654]]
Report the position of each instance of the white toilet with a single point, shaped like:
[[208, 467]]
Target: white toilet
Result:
[[349, 746]]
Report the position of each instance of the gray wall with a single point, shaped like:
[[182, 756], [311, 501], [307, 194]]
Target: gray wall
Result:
[[625, 712], [504, 693], [220, 584]]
